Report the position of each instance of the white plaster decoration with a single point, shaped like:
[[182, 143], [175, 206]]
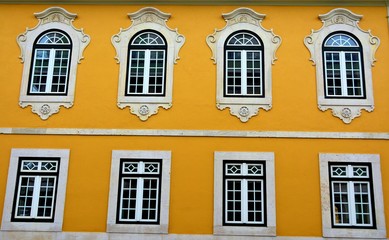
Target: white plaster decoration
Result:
[[54, 18], [56, 225], [147, 19], [162, 227], [343, 20], [363, 233], [218, 227], [244, 19]]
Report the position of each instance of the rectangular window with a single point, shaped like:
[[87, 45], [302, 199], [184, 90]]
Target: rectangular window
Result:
[[351, 195], [244, 73], [50, 71], [139, 191], [36, 189], [343, 74], [146, 73], [244, 193]]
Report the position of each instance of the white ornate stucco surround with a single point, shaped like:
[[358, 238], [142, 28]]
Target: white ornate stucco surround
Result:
[[51, 18], [243, 19], [147, 19], [343, 20]]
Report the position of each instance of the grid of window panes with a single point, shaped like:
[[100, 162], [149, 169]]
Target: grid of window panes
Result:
[[36, 189], [147, 58], [343, 67], [139, 192], [50, 64], [244, 200], [243, 71], [351, 195]]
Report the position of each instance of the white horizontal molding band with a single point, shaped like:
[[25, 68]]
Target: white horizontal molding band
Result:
[[193, 133], [207, 2], [112, 236]]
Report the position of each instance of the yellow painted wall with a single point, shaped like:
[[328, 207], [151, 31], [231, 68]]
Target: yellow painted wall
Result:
[[191, 208], [294, 84]]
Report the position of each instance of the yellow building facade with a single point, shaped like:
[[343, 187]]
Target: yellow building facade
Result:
[[293, 136]]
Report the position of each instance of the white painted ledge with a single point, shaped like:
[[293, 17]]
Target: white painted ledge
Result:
[[194, 133], [110, 236]]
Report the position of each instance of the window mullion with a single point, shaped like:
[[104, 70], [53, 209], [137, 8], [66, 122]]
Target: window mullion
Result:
[[139, 199], [50, 70], [244, 201], [35, 197], [343, 74], [146, 74], [244, 72], [352, 211]]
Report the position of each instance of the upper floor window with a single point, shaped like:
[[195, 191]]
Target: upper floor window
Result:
[[344, 55], [50, 52], [147, 64], [244, 52], [243, 66], [51, 61], [147, 52], [343, 69], [351, 196], [36, 187]]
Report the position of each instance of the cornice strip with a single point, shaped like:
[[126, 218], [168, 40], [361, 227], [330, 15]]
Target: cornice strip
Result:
[[205, 2], [194, 133]]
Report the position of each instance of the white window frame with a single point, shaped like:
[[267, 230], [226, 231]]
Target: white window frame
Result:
[[245, 230], [343, 20], [239, 20], [56, 225], [139, 227], [51, 19], [147, 19], [351, 231]]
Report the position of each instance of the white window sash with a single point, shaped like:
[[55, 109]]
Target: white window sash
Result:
[[35, 197]]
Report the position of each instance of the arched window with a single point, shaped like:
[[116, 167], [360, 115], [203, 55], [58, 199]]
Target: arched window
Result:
[[243, 65], [146, 65], [343, 66], [50, 64]]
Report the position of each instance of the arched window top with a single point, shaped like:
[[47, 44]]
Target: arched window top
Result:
[[54, 38], [341, 40], [243, 39], [148, 38]]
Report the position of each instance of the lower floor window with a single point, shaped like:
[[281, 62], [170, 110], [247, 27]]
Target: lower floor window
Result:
[[139, 191], [244, 193], [351, 195]]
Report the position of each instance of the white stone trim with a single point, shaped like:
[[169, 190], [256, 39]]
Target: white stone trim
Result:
[[51, 18], [147, 19], [218, 228], [328, 231], [114, 236], [194, 133], [56, 226], [112, 226], [341, 19], [243, 19]]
